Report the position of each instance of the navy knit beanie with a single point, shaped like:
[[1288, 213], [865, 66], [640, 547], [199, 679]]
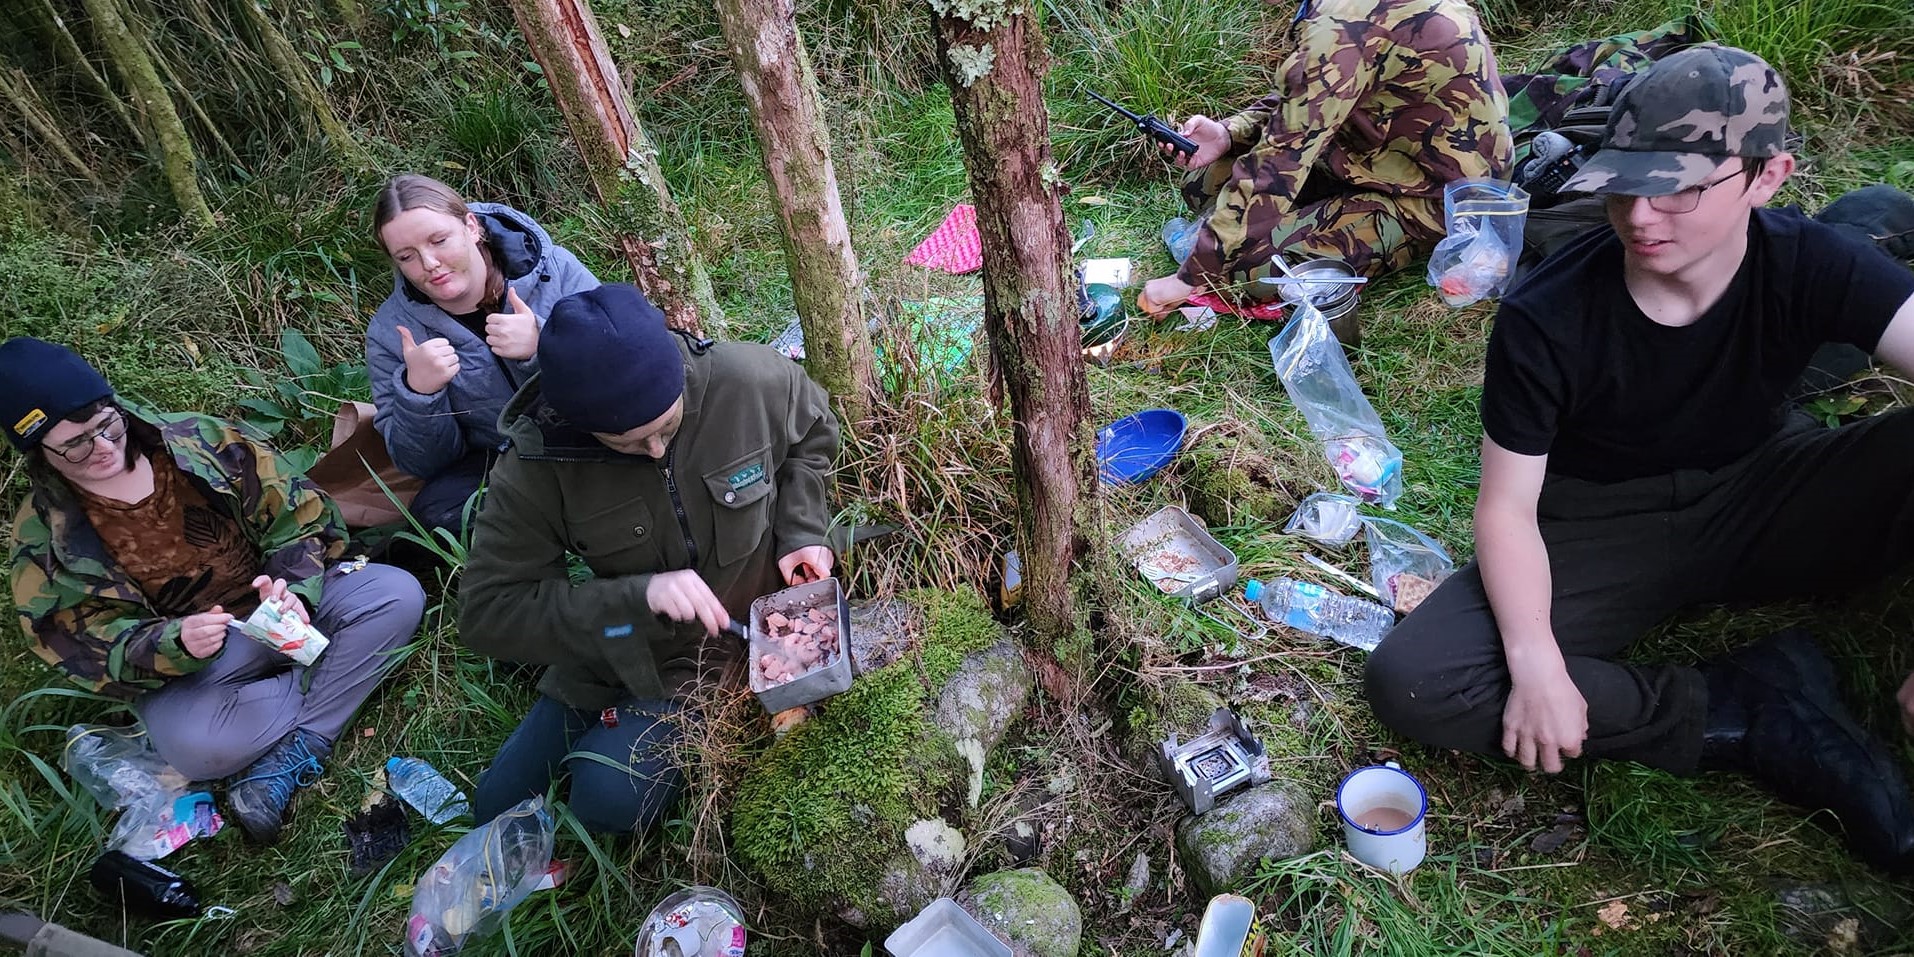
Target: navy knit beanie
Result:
[[40, 384], [606, 361]]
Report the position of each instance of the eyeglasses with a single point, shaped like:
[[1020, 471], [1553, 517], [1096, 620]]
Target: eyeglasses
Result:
[[1674, 204], [77, 450]]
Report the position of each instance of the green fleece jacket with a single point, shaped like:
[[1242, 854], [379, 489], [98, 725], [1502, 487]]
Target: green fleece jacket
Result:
[[742, 485]]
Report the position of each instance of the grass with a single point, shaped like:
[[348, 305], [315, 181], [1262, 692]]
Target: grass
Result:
[[1521, 864]]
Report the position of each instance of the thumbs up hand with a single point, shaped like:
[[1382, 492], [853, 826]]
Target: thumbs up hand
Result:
[[514, 334], [429, 365]]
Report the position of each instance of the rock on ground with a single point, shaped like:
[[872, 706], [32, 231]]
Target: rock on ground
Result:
[[1220, 849], [1031, 912]]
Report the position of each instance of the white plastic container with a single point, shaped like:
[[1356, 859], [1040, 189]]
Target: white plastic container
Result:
[[1383, 809], [944, 929]]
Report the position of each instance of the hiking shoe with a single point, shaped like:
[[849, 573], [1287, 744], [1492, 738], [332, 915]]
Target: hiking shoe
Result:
[[260, 794], [1801, 744]]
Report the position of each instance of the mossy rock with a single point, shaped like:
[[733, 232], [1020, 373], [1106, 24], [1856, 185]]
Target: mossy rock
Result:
[[1177, 706], [1035, 913], [831, 801], [1233, 472]]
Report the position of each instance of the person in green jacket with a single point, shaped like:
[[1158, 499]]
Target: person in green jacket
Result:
[[690, 477]]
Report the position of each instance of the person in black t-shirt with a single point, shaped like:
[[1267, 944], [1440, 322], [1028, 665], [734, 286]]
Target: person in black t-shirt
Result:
[[1635, 462]]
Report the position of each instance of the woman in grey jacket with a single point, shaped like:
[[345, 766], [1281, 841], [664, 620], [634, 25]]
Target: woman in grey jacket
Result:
[[471, 287]]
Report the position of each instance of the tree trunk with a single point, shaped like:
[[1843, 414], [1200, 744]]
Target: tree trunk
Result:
[[18, 91], [69, 49], [166, 135], [350, 12], [173, 81], [307, 99], [826, 283], [993, 61], [621, 160]]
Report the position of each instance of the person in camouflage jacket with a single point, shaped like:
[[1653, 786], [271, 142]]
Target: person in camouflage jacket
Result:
[[1382, 104], [132, 565]]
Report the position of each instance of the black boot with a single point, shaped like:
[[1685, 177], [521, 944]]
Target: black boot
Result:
[[1774, 713]]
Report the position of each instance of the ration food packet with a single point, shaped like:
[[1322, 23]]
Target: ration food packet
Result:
[[276, 628]]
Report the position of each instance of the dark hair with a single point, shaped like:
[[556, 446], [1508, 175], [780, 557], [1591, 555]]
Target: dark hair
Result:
[[1751, 167], [85, 413], [413, 191]]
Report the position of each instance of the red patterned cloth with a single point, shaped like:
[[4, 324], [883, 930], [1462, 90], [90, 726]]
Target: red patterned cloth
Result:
[[954, 246], [1268, 311]]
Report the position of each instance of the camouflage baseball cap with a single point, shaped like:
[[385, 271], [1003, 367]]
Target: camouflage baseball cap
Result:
[[1674, 124]]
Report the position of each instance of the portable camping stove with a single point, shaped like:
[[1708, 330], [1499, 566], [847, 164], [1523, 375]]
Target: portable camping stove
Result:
[[1215, 762]]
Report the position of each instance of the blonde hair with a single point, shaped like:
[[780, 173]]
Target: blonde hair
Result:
[[414, 191]]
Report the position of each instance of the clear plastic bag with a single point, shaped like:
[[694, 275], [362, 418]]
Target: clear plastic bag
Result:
[[1179, 235], [1327, 518], [1319, 380], [119, 768], [1404, 564], [1484, 220], [487, 872]]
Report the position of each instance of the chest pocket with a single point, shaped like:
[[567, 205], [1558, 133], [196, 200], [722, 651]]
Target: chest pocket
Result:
[[742, 495], [621, 540]]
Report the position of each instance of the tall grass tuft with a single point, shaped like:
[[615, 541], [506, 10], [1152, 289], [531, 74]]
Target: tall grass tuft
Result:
[[1796, 36]]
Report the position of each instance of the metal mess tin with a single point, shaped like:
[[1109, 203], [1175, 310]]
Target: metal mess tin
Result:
[[821, 681], [1178, 555]]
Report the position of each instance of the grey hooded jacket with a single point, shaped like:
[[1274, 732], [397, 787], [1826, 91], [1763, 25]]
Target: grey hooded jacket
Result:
[[427, 433]]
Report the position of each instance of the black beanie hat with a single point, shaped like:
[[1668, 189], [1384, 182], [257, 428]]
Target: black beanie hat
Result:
[[607, 363], [40, 384]]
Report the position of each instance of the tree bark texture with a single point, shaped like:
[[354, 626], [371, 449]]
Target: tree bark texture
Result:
[[993, 58], [622, 162], [69, 48], [166, 135], [308, 101], [826, 283]]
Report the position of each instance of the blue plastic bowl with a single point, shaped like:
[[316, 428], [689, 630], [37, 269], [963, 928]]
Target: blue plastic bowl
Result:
[[1136, 447]]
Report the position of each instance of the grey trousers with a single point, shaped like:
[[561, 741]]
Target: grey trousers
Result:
[[216, 721], [1813, 512]]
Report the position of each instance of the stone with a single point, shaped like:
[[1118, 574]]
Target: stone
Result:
[[1138, 879], [1220, 850], [882, 631], [976, 708], [1840, 920], [1031, 912]]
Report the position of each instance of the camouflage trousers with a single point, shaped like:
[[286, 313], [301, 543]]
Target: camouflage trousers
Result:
[[1374, 233]]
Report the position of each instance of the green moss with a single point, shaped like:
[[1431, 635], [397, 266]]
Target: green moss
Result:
[[831, 800], [957, 623]]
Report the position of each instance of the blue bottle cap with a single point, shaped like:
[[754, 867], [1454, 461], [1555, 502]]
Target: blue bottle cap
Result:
[[1253, 590]]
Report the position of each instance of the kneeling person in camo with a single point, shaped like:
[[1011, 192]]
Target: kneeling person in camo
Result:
[[143, 541], [689, 477], [1637, 461]]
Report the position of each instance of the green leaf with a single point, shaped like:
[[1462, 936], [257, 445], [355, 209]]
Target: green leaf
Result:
[[301, 357], [265, 409]]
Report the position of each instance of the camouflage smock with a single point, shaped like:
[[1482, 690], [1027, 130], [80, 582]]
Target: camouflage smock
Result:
[[88, 618], [1398, 97]]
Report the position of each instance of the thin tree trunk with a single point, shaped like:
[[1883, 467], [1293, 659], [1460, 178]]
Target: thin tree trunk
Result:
[[173, 81], [350, 11], [69, 49], [25, 100], [308, 101], [166, 134], [993, 65], [621, 160], [826, 283]]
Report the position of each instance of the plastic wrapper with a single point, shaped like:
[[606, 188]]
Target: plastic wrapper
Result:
[[159, 809], [487, 872], [274, 627], [1179, 235], [1319, 380], [1484, 220], [1327, 518], [1404, 564]]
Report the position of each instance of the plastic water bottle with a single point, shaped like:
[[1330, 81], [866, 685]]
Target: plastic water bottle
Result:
[[1307, 606], [422, 786]]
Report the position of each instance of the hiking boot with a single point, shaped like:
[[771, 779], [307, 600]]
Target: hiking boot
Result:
[[260, 794], [1775, 713]]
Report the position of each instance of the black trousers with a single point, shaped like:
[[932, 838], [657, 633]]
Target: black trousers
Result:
[[1813, 511]]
